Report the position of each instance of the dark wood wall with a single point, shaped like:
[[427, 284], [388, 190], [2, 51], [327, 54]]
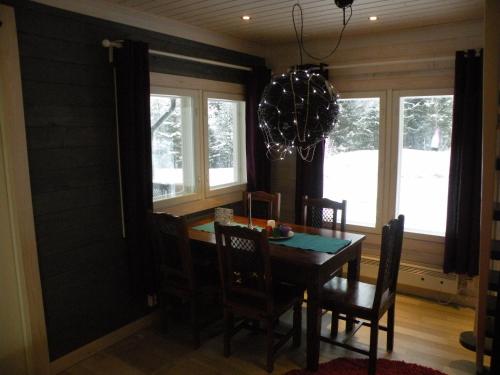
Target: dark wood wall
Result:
[[69, 110]]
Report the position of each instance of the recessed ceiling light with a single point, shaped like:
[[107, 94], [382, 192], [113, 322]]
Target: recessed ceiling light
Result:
[[246, 18], [373, 18]]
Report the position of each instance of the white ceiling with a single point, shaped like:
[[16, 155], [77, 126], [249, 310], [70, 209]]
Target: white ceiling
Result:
[[271, 19]]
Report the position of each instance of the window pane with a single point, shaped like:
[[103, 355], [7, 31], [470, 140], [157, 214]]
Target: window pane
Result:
[[351, 160], [226, 142], [425, 132], [172, 146]]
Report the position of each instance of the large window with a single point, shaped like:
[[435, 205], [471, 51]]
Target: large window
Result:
[[424, 161], [351, 159], [390, 159], [198, 142]]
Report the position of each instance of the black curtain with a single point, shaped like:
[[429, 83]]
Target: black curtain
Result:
[[309, 175], [134, 129], [464, 192], [258, 165]]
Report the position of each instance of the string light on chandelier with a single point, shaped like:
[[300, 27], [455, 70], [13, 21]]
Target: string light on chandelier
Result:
[[299, 109]]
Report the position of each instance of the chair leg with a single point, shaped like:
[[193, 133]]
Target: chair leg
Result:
[[390, 328], [270, 346], [228, 331], [334, 329], [297, 324], [372, 364], [195, 326]]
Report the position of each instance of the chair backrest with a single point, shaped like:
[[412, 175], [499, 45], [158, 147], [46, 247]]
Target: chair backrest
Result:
[[264, 205], [390, 258], [323, 213], [245, 266], [170, 240]]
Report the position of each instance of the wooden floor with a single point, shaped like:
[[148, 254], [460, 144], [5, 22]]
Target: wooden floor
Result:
[[426, 333]]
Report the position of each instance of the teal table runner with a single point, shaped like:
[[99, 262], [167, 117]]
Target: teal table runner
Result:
[[300, 240]]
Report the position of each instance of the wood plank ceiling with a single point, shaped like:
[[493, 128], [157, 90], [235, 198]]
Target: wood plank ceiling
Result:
[[271, 19]]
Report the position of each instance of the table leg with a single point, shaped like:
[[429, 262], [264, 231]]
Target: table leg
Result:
[[353, 271], [313, 325]]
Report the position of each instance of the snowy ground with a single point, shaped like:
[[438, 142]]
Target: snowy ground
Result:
[[353, 176], [218, 176], [423, 187]]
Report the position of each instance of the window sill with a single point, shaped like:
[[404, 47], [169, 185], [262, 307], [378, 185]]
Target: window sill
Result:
[[197, 205], [226, 189]]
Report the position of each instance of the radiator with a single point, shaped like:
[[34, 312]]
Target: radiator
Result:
[[415, 276]]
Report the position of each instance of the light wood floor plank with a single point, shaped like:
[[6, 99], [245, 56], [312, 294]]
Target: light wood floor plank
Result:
[[426, 333]]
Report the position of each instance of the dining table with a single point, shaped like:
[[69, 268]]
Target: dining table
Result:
[[307, 268]]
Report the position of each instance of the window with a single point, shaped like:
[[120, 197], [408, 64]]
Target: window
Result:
[[226, 142], [351, 159], [198, 143], [172, 144], [390, 159], [424, 161]]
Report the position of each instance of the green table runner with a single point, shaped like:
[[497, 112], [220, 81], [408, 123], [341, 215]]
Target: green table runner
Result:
[[304, 241]]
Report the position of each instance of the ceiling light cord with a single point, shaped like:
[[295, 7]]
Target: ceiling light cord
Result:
[[300, 37]]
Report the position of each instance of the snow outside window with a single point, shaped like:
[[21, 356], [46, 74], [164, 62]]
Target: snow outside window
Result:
[[425, 124], [351, 160], [172, 141], [226, 142]]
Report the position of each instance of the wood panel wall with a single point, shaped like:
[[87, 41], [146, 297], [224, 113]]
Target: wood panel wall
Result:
[[69, 110]]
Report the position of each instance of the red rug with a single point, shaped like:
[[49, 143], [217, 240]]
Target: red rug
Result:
[[348, 366]]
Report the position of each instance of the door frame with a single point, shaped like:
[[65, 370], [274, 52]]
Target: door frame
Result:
[[19, 200]]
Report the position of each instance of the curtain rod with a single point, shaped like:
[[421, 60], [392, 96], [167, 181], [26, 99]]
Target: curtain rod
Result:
[[118, 44]]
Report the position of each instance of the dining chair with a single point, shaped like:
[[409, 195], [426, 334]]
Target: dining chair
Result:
[[249, 291], [180, 274], [366, 301], [264, 205], [323, 213]]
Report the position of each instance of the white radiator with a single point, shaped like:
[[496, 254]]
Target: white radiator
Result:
[[415, 275]]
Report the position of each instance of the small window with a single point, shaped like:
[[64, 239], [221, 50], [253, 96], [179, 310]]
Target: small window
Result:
[[226, 142], [172, 141], [351, 159]]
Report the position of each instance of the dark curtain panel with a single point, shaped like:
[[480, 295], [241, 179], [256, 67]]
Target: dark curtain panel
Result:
[[258, 165], [309, 175], [132, 84], [464, 192]]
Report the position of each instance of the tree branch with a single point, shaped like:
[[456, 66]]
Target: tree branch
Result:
[[163, 117]]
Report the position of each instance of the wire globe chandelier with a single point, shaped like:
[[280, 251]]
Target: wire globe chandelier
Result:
[[299, 109]]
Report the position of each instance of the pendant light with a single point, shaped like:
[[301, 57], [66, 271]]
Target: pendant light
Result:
[[299, 109]]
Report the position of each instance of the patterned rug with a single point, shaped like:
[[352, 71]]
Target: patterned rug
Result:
[[349, 366]]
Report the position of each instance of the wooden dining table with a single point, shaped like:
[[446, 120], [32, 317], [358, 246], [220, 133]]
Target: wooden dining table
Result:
[[311, 269]]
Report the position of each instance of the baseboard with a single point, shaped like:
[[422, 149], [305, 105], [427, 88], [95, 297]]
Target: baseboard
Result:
[[93, 347]]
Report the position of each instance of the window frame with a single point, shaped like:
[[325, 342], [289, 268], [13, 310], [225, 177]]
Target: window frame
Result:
[[202, 199], [239, 185], [382, 96], [396, 148], [195, 97]]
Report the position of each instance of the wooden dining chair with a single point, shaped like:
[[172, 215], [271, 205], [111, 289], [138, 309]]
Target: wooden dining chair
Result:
[[366, 301], [180, 274], [323, 213], [249, 290], [264, 205]]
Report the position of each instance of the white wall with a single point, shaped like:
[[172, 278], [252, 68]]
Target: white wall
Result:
[[421, 58]]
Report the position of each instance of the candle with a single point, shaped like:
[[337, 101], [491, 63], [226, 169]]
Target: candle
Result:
[[249, 196]]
